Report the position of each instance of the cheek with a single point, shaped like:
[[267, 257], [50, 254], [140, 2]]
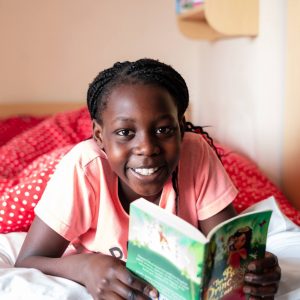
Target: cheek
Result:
[[174, 151], [117, 156]]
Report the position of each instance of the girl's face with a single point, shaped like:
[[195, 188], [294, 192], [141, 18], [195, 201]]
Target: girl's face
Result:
[[240, 241], [141, 136]]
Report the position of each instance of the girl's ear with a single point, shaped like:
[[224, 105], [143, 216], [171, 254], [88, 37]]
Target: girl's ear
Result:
[[97, 133]]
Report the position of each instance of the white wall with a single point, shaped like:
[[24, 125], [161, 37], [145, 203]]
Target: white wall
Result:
[[291, 150], [241, 89], [52, 49]]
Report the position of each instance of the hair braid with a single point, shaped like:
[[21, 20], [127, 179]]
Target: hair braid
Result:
[[101, 87], [143, 71], [189, 127]]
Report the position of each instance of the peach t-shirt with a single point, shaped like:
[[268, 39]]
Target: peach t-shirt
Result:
[[81, 200]]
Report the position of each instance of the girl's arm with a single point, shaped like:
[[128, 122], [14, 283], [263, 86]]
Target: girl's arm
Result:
[[105, 277], [263, 276], [207, 225]]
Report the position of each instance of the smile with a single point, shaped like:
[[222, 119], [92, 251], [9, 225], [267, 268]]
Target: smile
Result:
[[145, 171]]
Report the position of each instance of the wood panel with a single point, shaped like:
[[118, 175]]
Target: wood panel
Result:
[[37, 108], [219, 19]]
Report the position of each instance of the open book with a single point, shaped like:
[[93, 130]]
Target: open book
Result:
[[183, 264]]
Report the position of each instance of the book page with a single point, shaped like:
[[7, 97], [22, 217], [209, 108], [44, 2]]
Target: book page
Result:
[[160, 252]]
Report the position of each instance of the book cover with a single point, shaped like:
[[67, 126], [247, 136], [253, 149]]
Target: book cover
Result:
[[182, 263], [232, 247]]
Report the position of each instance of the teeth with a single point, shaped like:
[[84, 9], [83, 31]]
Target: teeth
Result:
[[145, 171]]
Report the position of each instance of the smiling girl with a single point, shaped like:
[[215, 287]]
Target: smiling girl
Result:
[[140, 148]]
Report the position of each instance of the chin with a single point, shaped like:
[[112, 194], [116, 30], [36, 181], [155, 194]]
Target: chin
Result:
[[151, 196]]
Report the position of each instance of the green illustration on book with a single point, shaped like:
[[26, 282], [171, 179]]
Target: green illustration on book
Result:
[[183, 264]]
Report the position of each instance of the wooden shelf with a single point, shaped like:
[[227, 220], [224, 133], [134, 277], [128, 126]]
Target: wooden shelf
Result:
[[195, 14], [216, 19]]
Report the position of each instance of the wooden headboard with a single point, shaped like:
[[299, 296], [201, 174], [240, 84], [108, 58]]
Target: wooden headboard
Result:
[[37, 108]]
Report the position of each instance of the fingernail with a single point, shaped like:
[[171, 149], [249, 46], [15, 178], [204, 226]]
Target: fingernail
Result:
[[251, 267], [246, 290], [153, 294], [248, 278]]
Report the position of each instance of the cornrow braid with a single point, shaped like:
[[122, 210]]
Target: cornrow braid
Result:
[[190, 127], [100, 88], [143, 71]]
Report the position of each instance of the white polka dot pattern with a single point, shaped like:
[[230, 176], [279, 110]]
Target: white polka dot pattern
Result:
[[30, 149], [17, 203]]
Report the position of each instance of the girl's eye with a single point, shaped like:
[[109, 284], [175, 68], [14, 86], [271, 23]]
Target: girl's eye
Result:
[[165, 130], [125, 132]]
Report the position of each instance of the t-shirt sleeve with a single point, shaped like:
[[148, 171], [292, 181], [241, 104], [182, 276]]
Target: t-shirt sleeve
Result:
[[214, 186], [67, 205], [207, 181]]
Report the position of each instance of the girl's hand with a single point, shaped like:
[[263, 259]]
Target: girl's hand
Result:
[[262, 278], [106, 277]]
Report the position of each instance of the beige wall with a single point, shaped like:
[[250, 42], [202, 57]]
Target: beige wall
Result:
[[52, 49]]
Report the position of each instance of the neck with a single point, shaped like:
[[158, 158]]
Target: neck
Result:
[[127, 196]]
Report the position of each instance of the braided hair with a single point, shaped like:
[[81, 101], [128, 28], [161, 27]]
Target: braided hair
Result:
[[142, 71]]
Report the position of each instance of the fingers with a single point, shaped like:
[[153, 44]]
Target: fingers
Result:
[[110, 279], [115, 289], [258, 292], [267, 277], [150, 291], [100, 295], [259, 298], [135, 295], [262, 278], [268, 262], [143, 287], [264, 272], [134, 286]]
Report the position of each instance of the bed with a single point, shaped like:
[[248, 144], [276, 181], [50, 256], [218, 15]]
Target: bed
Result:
[[33, 139]]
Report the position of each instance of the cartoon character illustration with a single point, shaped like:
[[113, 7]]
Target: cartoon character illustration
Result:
[[238, 246], [163, 241]]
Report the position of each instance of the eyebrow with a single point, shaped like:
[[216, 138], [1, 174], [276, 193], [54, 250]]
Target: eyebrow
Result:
[[127, 119], [123, 119]]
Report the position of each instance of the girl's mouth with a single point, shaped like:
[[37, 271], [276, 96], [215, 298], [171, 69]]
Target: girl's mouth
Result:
[[145, 171]]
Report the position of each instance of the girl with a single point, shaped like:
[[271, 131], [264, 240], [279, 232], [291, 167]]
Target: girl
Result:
[[239, 245], [139, 149]]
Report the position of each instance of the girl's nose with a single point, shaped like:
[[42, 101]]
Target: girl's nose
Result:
[[146, 145]]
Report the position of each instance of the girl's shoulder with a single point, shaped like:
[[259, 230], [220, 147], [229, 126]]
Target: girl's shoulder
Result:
[[195, 145], [193, 140], [84, 153]]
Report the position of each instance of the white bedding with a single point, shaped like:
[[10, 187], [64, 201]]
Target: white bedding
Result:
[[19, 283], [283, 241], [31, 284]]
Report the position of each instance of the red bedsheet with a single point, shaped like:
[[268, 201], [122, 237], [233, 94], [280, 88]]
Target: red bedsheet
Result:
[[31, 147]]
